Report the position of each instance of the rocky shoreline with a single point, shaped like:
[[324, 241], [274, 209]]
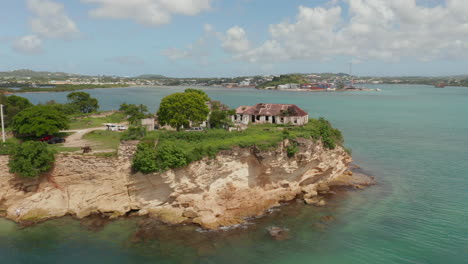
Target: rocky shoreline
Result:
[[212, 193]]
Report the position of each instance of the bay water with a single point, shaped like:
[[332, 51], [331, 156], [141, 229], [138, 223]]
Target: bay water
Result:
[[412, 138]]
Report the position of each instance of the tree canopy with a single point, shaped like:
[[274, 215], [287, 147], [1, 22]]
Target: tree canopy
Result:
[[84, 101], [199, 92], [180, 109], [30, 159], [134, 112], [13, 105], [68, 109], [219, 117], [39, 120]]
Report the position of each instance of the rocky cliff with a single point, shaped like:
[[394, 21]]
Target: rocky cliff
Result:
[[239, 183]]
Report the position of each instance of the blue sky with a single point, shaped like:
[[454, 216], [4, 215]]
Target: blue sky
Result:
[[192, 38]]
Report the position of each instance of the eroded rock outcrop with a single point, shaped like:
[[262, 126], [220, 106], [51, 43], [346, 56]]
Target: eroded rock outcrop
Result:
[[239, 183]]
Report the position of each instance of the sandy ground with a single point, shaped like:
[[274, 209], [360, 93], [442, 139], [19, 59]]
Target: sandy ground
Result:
[[76, 139]]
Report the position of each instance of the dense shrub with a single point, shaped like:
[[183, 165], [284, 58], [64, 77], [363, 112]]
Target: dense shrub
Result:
[[148, 158], [31, 159], [292, 149], [329, 135], [6, 148], [134, 133], [170, 156], [145, 158]]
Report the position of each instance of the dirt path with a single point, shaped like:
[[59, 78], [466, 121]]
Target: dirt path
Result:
[[76, 139]]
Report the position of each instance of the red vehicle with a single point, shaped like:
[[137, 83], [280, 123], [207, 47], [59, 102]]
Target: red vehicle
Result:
[[46, 138]]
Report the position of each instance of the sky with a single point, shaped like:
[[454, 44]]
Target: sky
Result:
[[224, 38]]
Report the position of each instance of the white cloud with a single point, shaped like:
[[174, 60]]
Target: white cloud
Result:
[[30, 44], [147, 12], [200, 50], [50, 20], [235, 40], [372, 29]]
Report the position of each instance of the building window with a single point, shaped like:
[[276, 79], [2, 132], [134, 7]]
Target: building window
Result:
[[282, 120], [258, 117], [295, 121], [267, 118]]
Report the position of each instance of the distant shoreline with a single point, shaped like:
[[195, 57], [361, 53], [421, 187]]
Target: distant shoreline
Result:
[[309, 90]]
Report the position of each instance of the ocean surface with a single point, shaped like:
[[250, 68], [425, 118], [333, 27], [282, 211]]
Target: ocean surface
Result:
[[413, 139]]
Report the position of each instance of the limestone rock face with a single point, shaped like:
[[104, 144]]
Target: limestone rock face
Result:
[[239, 183]]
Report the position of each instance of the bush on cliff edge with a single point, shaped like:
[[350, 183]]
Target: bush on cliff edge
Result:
[[31, 159], [148, 158]]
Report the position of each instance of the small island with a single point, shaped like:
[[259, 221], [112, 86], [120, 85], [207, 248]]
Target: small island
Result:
[[196, 161]]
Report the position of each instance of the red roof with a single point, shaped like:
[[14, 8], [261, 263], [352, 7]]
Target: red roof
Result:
[[271, 110]]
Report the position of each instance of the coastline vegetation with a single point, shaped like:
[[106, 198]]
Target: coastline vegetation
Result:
[[177, 149], [158, 150], [61, 88], [30, 159]]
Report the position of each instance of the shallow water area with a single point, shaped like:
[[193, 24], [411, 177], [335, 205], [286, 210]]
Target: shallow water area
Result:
[[412, 138]]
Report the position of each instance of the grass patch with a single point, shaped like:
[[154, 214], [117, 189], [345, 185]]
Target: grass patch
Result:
[[90, 122], [174, 149], [103, 139]]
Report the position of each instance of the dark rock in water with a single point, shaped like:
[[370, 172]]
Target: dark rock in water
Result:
[[321, 227], [278, 233], [327, 218], [148, 229], [95, 222]]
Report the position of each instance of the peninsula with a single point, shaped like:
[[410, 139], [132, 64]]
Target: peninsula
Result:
[[234, 166]]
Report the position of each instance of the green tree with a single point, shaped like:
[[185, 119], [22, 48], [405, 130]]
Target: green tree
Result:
[[219, 117], [84, 101], [179, 109], [13, 105], [134, 112], [30, 159], [200, 92], [39, 120]]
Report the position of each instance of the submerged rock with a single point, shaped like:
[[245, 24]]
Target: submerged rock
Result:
[[95, 222], [278, 233], [327, 218], [317, 201]]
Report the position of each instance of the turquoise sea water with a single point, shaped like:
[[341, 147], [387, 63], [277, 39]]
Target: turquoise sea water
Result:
[[413, 139]]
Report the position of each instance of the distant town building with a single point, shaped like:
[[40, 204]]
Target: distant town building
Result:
[[271, 113], [244, 83], [289, 86]]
